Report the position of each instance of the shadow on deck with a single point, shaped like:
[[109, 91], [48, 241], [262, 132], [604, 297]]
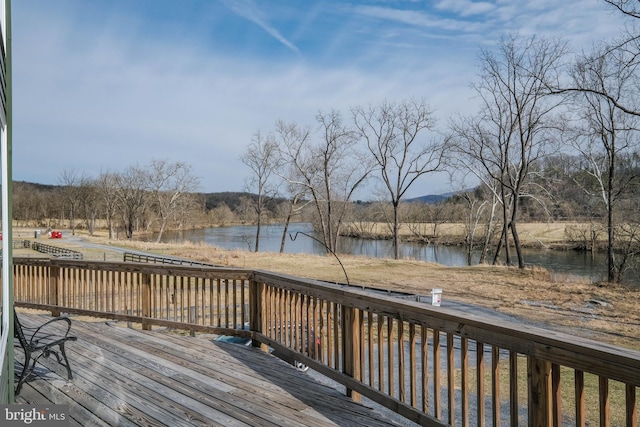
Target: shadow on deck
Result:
[[126, 377]]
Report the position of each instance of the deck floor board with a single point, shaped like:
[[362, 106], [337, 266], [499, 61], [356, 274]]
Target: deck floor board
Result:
[[128, 377]]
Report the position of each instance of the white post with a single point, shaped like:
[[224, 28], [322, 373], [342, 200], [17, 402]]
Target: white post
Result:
[[6, 342]]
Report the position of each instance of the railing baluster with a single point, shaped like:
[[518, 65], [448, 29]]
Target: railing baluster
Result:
[[323, 325], [480, 383], [451, 379], [413, 373], [236, 324], [290, 310], [370, 348], [495, 385], [464, 361], [579, 399], [437, 411], [556, 390], [316, 334], [603, 389], [199, 302], [54, 289], [218, 302], [513, 387], [279, 331], [630, 394], [381, 370], [390, 357], [146, 300], [335, 320], [243, 302], [106, 276], [227, 302], [401, 365], [296, 325], [361, 353], [424, 359]]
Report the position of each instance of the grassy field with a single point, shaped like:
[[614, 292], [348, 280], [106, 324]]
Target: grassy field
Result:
[[599, 311], [534, 234]]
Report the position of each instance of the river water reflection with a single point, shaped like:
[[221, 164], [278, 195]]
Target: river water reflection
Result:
[[243, 237]]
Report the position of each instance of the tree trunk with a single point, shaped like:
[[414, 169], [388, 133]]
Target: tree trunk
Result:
[[163, 224], [396, 232], [257, 247], [286, 228], [611, 261], [514, 232], [504, 237], [489, 229], [499, 246]]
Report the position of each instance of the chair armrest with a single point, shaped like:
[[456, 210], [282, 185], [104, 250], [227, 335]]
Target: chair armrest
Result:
[[56, 319]]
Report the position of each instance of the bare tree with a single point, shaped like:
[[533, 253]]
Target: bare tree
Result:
[[70, 190], [395, 137], [475, 209], [107, 183], [131, 187], [624, 52], [88, 202], [467, 132], [330, 170], [516, 123], [262, 157], [610, 135], [294, 207], [169, 183], [222, 215], [607, 85]]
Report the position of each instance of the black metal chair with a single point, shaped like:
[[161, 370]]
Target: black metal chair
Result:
[[41, 342]]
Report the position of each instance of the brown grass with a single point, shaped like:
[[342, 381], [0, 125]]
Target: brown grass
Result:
[[532, 233]]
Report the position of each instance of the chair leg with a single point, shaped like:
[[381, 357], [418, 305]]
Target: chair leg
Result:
[[26, 370], [66, 361]]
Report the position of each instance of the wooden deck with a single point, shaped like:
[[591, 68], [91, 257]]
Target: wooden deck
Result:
[[126, 377]]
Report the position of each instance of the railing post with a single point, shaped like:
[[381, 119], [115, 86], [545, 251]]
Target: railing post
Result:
[[256, 310], [351, 347], [146, 300], [540, 392], [54, 275]]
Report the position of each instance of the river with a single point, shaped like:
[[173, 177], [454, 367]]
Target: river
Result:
[[563, 263]]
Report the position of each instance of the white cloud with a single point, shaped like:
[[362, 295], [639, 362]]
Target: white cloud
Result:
[[250, 11], [417, 18], [465, 7]]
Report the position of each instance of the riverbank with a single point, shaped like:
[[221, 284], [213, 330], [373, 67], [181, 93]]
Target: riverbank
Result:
[[605, 312], [537, 235]]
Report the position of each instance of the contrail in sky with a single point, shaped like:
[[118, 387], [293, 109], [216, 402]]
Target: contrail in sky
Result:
[[249, 10]]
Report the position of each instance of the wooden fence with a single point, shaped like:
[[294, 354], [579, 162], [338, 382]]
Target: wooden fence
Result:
[[155, 259], [55, 251], [432, 365]]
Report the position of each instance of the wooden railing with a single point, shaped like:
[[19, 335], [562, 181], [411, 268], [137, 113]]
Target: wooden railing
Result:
[[432, 365], [155, 259], [56, 251]]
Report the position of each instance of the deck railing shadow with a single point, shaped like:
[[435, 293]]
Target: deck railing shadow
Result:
[[432, 365]]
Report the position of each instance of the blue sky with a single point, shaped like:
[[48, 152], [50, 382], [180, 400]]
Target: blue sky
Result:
[[102, 85]]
